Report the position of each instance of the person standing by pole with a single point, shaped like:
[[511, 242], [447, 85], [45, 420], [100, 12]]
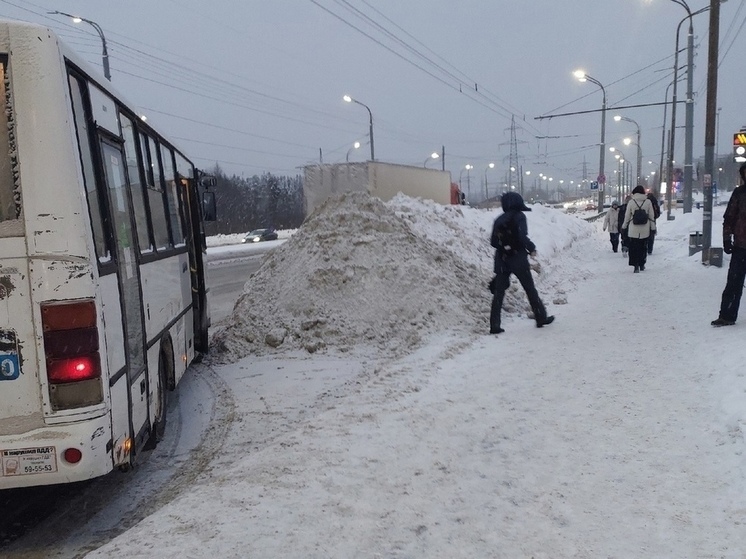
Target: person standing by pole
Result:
[[734, 243]]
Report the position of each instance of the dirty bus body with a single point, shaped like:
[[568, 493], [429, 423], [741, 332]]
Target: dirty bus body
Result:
[[103, 299]]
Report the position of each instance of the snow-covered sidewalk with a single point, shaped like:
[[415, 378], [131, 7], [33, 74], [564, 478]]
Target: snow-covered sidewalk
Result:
[[618, 431]]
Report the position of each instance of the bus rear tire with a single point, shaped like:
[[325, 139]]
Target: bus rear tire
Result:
[[158, 429]]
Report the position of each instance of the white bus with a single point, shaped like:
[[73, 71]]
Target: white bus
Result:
[[103, 296]]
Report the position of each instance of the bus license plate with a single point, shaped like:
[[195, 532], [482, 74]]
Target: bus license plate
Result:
[[25, 461]]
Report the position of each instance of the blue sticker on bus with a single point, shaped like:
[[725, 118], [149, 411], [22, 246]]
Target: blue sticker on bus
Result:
[[9, 367]]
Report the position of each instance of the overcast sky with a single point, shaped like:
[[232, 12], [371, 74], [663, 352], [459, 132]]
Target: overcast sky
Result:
[[257, 86]]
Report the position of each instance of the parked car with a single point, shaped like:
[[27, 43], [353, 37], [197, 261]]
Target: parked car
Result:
[[258, 235], [591, 207]]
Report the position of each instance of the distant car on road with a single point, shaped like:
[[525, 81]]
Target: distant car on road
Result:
[[258, 235], [591, 207]]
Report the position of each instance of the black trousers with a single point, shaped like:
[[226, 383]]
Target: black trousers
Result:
[[731, 298], [518, 265], [614, 238], [651, 239], [638, 251]]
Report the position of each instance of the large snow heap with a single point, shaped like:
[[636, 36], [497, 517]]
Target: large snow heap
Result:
[[363, 272]]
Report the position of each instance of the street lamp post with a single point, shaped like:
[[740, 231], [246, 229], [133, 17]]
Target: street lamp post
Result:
[[582, 76], [97, 27], [370, 114], [689, 115], [433, 155], [621, 159], [617, 118], [627, 142], [356, 145], [466, 168], [486, 190]]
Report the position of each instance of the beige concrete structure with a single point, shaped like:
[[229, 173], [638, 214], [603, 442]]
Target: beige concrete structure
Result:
[[383, 180]]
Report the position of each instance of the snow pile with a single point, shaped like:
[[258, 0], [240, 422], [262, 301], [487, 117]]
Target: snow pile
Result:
[[360, 272]]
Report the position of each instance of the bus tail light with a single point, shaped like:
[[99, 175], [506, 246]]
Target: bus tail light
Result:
[[72, 455], [72, 353]]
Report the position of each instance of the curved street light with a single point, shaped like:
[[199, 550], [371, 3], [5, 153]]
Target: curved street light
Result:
[[621, 158], [356, 145], [486, 190], [433, 155], [349, 99], [618, 118], [97, 27], [582, 76], [466, 168], [689, 125]]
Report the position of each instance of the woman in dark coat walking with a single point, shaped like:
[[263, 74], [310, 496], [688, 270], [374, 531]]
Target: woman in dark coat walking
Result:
[[512, 248], [638, 233]]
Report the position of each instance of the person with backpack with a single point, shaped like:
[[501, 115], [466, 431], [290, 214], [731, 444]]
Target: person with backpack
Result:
[[611, 222], [734, 243], [639, 220], [657, 212], [512, 249]]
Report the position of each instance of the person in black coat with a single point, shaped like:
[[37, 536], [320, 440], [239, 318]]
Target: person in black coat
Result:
[[512, 248], [657, 212], [624, 232]]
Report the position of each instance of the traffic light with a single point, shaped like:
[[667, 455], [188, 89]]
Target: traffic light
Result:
[[739, 147]]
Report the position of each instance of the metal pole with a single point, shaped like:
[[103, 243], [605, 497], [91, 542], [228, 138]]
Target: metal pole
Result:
[[672, 137], [711, 115], [639, 157], [663, 145], [602, 156], [372, 151], [689, 133]]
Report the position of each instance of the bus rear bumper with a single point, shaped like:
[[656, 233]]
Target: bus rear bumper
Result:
[[56, 454]]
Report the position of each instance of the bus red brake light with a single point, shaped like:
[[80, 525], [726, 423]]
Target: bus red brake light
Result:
[[72, 455], [84, 367], [71, 350]]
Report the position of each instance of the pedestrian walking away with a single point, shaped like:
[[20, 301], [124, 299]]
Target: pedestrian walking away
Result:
[[657, 212], [611, 222], [512, 249], [734, 243], [639, 221], [624, 240]]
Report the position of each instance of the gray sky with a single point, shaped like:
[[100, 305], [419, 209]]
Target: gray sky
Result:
[[257, 85]]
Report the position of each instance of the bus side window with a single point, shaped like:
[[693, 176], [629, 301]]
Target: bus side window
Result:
[[172, 197], [95, 209], [209, 210], [155, 192], [136, 187]]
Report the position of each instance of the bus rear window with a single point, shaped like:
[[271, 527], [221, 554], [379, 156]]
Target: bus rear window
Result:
[[10, 199]]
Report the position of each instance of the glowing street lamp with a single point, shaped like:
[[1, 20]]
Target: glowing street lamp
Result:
[[486, 190], [583, 77], [356, 145], [97, 27], [349, 99], [618, 118], [433, 155]]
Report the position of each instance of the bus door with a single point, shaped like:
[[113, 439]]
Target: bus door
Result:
[[129, 284]]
